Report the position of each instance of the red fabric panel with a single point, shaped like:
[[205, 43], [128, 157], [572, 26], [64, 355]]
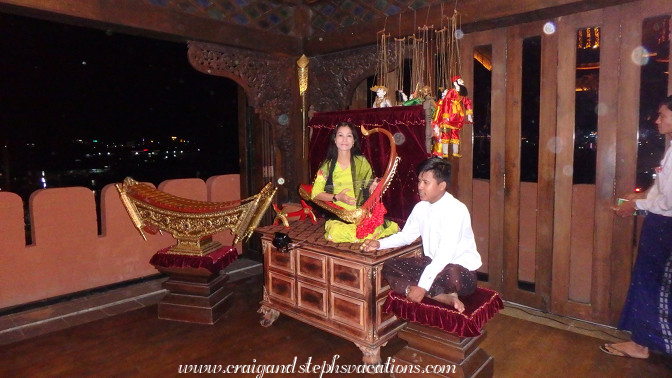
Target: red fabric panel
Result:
[[479, 308], [214, 261], [407, 123]]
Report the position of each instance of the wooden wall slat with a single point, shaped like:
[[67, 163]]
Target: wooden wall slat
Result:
[[564, 159], [626, 148], [546, 169], [512, 134], [606, 162], [497, 149]]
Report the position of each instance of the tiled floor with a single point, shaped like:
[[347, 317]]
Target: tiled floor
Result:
[[30, 323]]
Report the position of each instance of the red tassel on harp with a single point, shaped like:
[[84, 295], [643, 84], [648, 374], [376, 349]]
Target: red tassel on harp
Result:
[[374, 219]]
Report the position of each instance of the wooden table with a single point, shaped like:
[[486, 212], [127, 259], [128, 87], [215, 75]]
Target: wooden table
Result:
[[334, 287]]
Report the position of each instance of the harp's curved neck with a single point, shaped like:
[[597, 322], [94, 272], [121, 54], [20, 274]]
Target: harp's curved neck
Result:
[[390, 169]]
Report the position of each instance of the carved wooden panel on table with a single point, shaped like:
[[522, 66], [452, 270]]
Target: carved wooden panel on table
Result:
[[281, 287], [347, 275], [312, 266], [312, 298], [280, 260], [347, 310]]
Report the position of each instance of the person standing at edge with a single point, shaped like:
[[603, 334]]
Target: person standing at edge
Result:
[[448, 268], [647, 313]]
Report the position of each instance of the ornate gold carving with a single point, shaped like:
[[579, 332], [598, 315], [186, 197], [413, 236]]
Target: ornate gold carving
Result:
[[280, 216], [302, 72], [192, 222]]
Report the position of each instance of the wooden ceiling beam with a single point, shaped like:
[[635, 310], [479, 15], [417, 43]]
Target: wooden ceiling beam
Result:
[[140, 18], [476, 15]]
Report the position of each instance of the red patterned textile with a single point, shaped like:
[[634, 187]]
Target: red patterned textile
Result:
[[479, 308], [214, 261], [406, 123]]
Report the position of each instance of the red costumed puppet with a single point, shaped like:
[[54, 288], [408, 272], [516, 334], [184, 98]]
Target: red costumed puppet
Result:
[[449, 118]]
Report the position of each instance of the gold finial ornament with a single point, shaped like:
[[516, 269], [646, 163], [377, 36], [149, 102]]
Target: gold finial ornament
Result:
[[302, 70]]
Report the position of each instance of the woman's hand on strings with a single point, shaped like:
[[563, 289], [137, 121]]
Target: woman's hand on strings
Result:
[[374, 185]]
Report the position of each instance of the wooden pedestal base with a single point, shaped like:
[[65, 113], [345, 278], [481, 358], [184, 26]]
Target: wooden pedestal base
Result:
[[432, 346], [195, 296]]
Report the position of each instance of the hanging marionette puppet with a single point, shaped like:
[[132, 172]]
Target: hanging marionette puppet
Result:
[[449, 119], [381, 100]]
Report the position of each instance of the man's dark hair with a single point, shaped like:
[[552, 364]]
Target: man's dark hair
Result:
[[439, 167], [667, 102]]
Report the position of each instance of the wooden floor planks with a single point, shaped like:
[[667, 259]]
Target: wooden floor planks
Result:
[[136, 343]]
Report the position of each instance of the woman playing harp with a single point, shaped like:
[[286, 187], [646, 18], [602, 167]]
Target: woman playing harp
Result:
[[346, 178]]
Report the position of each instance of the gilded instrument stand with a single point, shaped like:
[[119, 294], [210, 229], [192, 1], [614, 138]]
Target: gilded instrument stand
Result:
[[193, 265]]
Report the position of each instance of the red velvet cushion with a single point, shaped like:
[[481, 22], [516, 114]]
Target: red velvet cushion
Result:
[[480, 307], [214, 261]]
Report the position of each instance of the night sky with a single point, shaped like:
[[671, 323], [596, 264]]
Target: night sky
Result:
[[76, 104], [62, 81]]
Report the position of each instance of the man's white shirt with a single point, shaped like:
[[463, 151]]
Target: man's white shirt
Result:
[[447, 237]]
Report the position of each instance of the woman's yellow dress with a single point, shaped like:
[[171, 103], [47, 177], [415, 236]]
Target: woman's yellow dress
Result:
[[336, 230]]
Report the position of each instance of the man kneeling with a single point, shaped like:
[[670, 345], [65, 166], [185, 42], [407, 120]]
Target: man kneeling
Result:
[[448, 267]]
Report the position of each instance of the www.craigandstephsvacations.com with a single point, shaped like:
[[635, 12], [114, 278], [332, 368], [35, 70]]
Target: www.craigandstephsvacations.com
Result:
[[319, 369]]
